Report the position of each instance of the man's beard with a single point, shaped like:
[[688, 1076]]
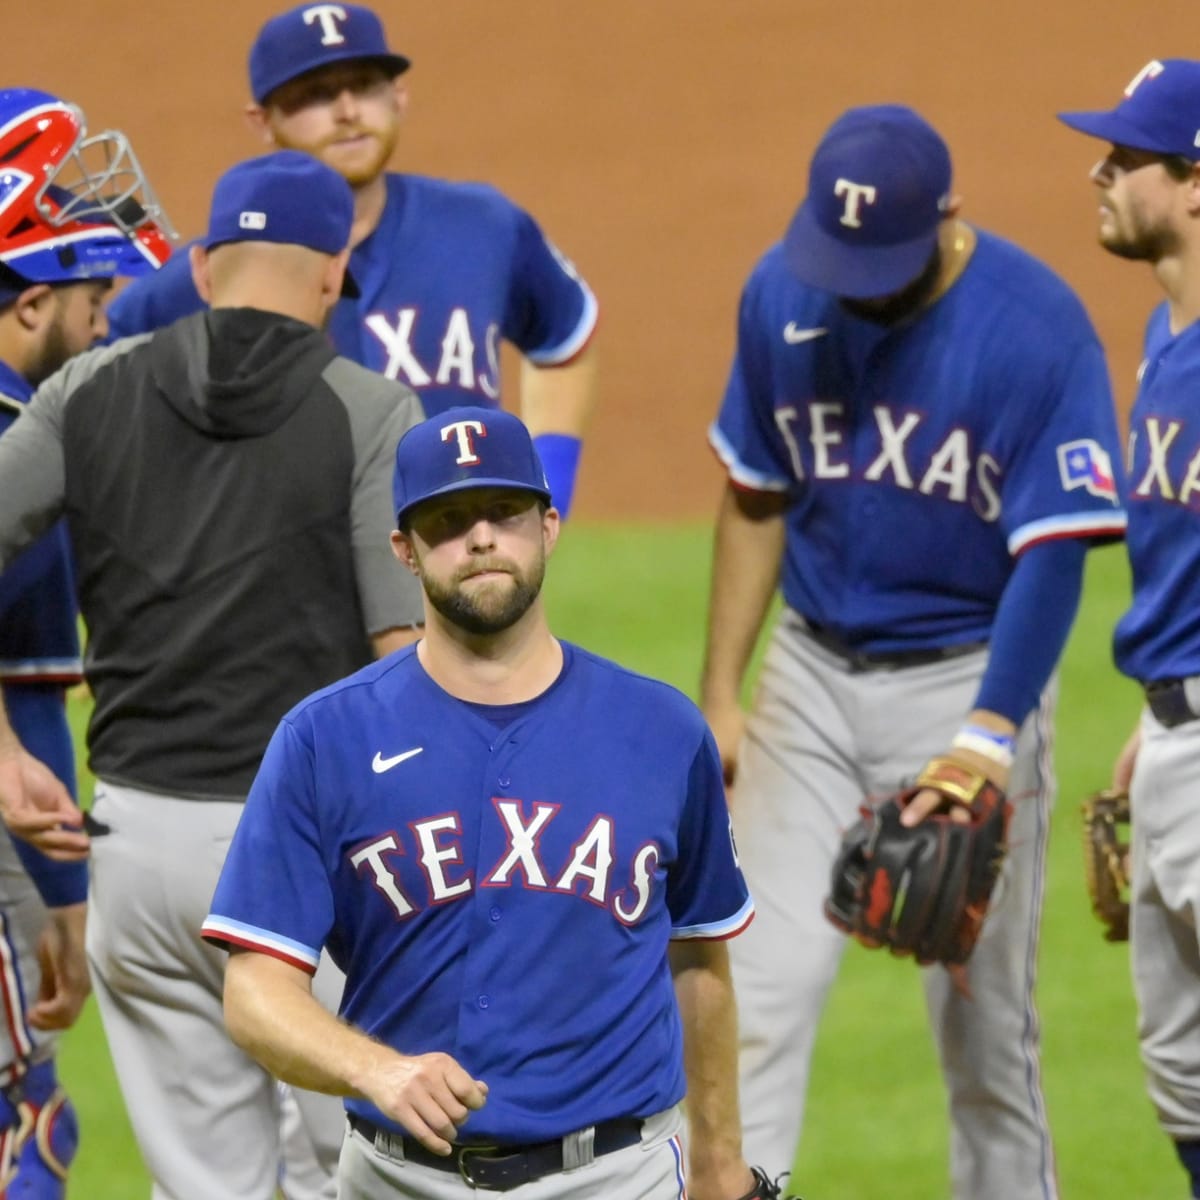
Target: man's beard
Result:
[[1144, 244], [360, 174], [489, 609], [54, 353], [891, 310]]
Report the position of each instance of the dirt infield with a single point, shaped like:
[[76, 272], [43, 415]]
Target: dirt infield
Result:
[[662, 144]]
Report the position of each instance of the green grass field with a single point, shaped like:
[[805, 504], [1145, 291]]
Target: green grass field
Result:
[[876, 1123]]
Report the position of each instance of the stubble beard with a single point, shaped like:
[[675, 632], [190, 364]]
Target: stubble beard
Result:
[[488, 609], [54, 352], [1142, 243]]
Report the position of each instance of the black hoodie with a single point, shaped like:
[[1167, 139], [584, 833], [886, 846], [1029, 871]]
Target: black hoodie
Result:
[[227, 486]]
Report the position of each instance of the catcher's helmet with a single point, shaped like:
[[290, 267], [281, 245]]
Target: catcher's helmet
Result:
[[72, 207]]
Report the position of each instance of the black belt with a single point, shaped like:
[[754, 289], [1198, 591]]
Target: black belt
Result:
[[501, 1168], [875, 660], [1168, 701]]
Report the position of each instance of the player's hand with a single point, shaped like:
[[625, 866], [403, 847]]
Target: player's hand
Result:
[[36, 806], [728, 725], [65, 981], [929, 801], [431, 1095], [1122, 774]]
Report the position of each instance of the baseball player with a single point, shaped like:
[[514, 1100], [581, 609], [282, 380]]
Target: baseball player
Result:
[[920, 441], [510, 845], [446, 271], [1148, 182], [74, 212], [226, 484]]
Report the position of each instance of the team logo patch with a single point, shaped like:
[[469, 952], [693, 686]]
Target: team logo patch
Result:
[[1084, 464]]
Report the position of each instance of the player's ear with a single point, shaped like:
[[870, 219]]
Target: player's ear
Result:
[[335, 274], [201, 274], [1192, 184], [400, 92], [259, 123], [402, 548], [33, 305], [551, 524]]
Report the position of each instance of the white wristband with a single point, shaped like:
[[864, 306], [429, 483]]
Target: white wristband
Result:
[[999, 747]]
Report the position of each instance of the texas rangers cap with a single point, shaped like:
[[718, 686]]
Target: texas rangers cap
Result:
[[878, 187], [465, 448], [311, 36], [1160, 111]]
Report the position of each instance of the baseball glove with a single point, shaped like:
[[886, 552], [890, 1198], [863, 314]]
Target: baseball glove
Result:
[[1106, 860], [923, 891]]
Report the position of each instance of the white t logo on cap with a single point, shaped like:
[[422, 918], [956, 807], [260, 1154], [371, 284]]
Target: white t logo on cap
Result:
[[856, 195], [252, 220], [461, 431], [1152, 68], [326, 14]]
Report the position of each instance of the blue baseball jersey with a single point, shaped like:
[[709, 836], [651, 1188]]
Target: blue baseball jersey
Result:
[[1159, 637], [39, 657], [921, 459], [451, 270], [499, 884], [39, 640]]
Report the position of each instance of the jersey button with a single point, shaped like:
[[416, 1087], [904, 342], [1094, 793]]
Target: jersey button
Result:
[[494, 913], [484, 1001], [504, 781]]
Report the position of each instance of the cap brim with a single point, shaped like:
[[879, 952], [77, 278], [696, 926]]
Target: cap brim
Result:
[[473, 484], [1111, 127], [855, 272], [394, 64]]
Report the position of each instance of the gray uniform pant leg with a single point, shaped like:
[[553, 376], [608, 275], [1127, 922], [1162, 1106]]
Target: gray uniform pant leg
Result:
[[204, 1114], [651, 1170], [820, 741], [22, 920], [1164, 919], [313, 1124]]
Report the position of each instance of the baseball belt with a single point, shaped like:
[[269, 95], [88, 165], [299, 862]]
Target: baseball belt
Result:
[[498, 1168], [884, 660], [1174, 701]]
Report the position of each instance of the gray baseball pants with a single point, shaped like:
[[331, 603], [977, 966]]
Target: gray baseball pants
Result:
[[1165, 918], [206, 1117], [823, 739]]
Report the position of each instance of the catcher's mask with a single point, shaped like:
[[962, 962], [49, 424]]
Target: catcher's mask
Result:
[[72, 207]]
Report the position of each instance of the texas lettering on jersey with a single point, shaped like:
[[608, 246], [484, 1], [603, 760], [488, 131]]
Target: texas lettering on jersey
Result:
[[465, 359], [819, 439], [1164, 461], [438, 874]]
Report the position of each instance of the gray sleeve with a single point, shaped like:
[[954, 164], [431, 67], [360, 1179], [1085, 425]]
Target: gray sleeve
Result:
[[380, 411], [32, 466], [32, 477]]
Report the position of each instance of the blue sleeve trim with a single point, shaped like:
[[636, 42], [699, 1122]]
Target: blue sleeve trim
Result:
[[559, 453], [1031, 627]]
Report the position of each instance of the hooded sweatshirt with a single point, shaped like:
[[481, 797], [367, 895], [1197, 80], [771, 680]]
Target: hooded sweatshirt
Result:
[[227, 488]]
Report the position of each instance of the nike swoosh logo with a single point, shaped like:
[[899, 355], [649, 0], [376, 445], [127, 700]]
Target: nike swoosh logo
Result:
[[794, 336], [379, 764]]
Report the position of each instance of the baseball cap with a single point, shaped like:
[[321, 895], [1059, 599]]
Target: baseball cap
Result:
[[316, 35], [286, 197], [878, 186], [1160, 111], [464, 448]]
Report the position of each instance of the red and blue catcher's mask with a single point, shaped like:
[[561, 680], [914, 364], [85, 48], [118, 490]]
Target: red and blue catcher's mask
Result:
[[72, 207]]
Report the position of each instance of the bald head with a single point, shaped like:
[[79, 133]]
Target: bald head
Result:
[[273, 276]]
